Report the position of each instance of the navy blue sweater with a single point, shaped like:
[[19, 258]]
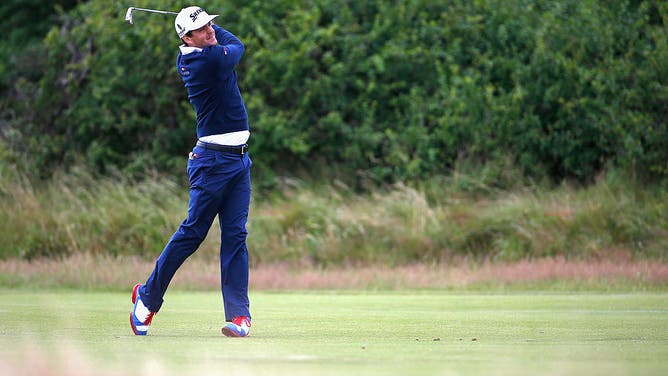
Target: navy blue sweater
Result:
[[211, 81]]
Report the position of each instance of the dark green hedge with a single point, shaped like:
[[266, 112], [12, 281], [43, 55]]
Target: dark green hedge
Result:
[[383, 90]]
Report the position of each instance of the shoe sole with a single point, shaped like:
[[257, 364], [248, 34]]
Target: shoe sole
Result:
[[134, 330], [134, 300], [227, 332]]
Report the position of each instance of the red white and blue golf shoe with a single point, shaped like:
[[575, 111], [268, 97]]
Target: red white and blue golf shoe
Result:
[[141, 316], [239, 327]]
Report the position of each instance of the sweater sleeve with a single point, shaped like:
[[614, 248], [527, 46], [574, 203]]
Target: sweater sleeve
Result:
[[229, 49]]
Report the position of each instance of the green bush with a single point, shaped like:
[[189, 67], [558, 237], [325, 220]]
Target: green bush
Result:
[[25, 22], [383, 90]]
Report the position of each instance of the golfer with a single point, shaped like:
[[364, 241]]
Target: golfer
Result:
[[218, 169]]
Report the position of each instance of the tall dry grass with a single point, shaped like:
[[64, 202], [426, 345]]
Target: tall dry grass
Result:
[[327, 225], [77, 213]]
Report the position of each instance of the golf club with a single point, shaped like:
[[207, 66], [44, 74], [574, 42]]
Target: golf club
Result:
[[129, 14]]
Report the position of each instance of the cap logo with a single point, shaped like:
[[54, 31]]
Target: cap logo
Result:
[[194, 14]]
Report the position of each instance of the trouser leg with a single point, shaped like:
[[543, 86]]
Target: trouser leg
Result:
[[202, 210], [233, 251]]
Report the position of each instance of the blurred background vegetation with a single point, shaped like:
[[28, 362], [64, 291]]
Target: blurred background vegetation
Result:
[[383, 90], [370, 95]]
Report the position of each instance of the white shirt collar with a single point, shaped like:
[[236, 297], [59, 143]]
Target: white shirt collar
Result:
[[187, 49]]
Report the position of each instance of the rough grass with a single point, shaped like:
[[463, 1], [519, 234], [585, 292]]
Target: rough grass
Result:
[[324, 226]]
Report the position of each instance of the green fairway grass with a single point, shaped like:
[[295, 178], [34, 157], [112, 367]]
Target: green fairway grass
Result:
[[339, 333]]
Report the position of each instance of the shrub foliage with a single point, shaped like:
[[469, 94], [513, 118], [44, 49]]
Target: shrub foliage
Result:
[[387, 90]]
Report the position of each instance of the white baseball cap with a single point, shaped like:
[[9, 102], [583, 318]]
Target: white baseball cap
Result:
[[191, 18]]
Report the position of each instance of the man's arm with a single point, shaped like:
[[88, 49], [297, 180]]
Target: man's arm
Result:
[[229, 46]]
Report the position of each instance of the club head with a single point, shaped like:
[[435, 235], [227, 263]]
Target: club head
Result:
[[128, 15]]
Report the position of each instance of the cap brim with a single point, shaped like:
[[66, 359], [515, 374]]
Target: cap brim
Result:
[[204, 21]]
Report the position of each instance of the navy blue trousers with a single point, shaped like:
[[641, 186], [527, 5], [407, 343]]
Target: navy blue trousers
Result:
[[219, 185]]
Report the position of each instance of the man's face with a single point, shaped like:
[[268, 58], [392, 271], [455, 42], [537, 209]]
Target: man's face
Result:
[[202, 37]]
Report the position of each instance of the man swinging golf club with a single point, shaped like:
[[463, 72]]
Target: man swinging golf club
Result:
[[218, 169]]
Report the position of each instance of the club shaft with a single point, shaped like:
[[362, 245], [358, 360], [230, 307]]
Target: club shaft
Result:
[[154, 11]]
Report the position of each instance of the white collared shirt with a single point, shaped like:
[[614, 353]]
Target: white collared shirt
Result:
[[185, 50], [227, 139]]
